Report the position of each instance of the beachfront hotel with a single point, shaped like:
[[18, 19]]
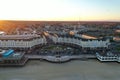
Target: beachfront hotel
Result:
[[28, 42]]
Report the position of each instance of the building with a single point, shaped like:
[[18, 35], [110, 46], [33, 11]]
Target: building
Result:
[[29, 41], [26, 42], [84, 43], [21, 41]]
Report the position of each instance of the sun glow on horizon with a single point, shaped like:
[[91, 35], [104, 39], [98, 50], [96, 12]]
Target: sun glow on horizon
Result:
[[56, 10]]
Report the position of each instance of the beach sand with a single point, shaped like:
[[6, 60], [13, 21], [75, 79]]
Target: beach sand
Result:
[[73, 70]]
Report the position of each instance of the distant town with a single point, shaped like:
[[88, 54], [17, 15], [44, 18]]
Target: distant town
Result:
[[58, 41]]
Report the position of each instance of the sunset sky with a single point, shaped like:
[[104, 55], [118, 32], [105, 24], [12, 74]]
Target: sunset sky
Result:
[[83, 10]]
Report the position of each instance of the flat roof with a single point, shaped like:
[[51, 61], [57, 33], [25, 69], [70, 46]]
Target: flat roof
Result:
[[18, 37], [72, 36]]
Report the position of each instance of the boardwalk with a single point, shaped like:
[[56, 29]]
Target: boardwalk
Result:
[[60, 59], [21, 63], [48, 58]]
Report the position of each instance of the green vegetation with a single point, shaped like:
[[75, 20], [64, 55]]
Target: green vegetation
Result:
[[54, 47], [112, 40], [118, 48]]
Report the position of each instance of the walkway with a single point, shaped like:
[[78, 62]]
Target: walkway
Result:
[[60, 59]]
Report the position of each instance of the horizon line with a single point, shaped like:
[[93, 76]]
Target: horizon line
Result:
[[66, 20]]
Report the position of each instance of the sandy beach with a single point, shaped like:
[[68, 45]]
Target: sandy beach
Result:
[[73, 70]]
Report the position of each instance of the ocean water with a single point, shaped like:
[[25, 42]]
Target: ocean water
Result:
[[73, 70]]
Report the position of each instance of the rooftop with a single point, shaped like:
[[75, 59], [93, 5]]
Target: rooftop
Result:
[[18, 37]]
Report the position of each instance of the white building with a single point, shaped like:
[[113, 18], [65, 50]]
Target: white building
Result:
[[21, 41], [81, 42], [29, 41]]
